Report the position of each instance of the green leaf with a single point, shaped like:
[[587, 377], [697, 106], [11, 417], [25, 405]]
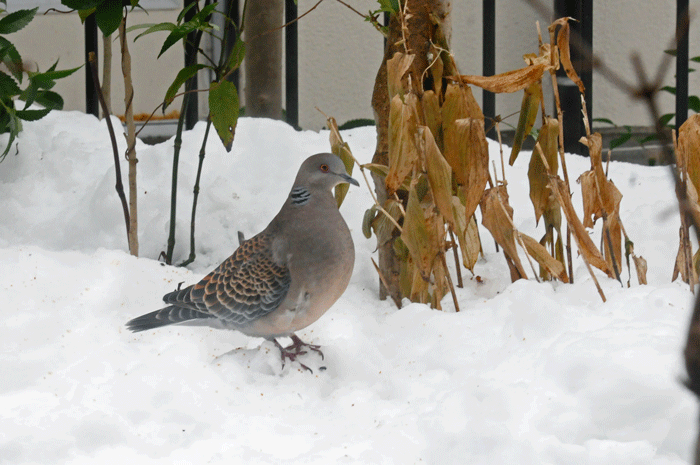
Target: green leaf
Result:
[[669, 89], [223, 107], [83, 4], [83, 14], [151, 28], [33, 115], [695, 59], [390, 6], [202, 15], [648, 138], [181, 16], [52, 75], [16, 21], [108, 16], [8, 86], [664, 119], [620, 140], [604, 120], [671, 52], [694, 103], [30, 94], [174, 37], [367, 221], [236, 56], [13, 126], [12, 59], [182, 76], [50, 99]]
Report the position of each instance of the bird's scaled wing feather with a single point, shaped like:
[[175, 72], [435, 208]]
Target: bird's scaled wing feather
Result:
[[246, 286]]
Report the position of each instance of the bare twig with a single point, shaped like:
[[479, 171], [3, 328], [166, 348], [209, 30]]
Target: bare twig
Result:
[[449, 280], [113, 138], [460, 283]]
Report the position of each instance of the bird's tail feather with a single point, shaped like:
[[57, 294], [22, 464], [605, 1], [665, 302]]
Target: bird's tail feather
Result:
[[164, 317]]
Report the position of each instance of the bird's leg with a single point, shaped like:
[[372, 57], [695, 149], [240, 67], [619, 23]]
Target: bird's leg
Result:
[[298, 345], [291, 355]]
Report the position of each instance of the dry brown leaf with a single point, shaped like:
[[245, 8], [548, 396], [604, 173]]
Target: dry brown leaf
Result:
[[591, 206], [689, 146], [439, 174], [396, 67], [640, 264], [564, 52], [432, 113], [585, 244], [510, 81], [419, 287], [680, 265], [342, 150], [693, 202], [419, 235], [467, 232], [459, 104], [600, 194], [403, 128], [540, 192], [493, 217], [529, 108], [383, 226], [466, 150], [544, 258]]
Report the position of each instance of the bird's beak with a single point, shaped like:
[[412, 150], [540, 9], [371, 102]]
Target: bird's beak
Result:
[[349, 179]]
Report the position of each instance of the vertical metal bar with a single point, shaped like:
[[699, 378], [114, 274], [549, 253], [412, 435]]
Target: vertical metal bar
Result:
[[234, 16], [681, 62], [586, 68], [489, 54], [569, 94], [291, 64], [191, 110], [92, 104]]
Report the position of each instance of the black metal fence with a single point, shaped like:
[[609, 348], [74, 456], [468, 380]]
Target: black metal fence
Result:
[[579, 9]]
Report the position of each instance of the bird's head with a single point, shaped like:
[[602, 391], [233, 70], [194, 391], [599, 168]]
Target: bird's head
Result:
[[323, 171]]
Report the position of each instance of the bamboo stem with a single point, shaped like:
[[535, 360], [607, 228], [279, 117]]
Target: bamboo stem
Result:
[[130, 140]]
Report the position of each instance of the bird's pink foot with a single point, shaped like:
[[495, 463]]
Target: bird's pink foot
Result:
[[294, 350], [298, 346]]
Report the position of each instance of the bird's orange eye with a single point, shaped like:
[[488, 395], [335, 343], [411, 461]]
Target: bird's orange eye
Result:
[[324, 168]]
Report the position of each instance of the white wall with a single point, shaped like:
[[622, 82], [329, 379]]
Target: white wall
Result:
[[61, 36], [339, 54]]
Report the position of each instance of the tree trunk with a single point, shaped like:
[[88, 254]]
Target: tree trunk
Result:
[[130, 139], [420, 30], [263, 59]]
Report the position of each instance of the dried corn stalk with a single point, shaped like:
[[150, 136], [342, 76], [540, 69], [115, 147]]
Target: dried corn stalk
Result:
[[498, 221], [601, 199], [342, 150], [688, 163]]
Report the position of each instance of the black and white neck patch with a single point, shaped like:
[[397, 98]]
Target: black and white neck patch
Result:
[[300, 196]]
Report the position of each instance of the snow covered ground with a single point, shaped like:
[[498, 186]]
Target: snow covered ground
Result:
[[526, 373]]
